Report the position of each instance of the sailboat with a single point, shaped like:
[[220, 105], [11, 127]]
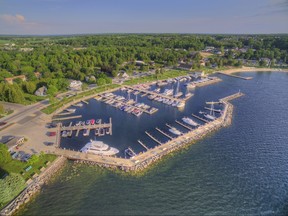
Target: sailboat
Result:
[[177, 93], [211, 116]]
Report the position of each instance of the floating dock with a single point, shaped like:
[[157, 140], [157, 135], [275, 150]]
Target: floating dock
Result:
[[141, 143], [198, 117], [153, 138], [183, 125], [165, 134], [66, 118]]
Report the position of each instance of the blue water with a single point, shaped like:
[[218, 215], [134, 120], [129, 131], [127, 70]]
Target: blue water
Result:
[[239, 170]]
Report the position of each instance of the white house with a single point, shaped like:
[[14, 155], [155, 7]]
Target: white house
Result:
[[75, 85], [41, 91]]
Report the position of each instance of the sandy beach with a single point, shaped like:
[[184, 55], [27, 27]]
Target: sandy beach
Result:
[[253, 69]]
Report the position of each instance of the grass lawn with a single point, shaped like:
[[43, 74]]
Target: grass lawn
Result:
[[16, 166]]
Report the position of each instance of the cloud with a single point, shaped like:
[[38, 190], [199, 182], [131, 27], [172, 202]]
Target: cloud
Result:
[[10, 19]]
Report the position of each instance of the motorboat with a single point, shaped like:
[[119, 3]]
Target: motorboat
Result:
[[99, 148]]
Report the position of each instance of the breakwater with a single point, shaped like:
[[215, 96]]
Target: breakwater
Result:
[[33, 187]]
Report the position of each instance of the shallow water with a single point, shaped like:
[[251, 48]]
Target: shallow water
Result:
[[239, 170]]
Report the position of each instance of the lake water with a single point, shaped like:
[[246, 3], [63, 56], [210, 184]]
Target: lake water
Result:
[[239, 170]]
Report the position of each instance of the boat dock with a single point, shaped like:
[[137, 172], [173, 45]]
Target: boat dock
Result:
[[183, 125], [198, 117], [153, 138], [66, 118], [155, 94], [236, 76], [214, 110], [86, 102], [88, 127], [141, 143], [165, 134]]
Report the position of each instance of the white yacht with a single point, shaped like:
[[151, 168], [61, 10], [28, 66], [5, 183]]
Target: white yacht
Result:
[[99, 148], [175, 131], [189, 121]]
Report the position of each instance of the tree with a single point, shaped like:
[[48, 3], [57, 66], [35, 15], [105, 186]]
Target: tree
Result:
[[30, 87], [2, 109], [101, 81], [5, 156], [52, 90]]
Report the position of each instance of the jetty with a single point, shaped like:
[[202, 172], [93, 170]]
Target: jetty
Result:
[[235, 76]]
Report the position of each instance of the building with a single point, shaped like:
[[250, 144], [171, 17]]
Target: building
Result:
[[42, 91], [184, 66], [13, 141], [75, 85], [11, 79], [38, 75]]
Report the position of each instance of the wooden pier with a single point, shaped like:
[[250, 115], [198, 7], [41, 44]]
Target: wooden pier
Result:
[[183, 125], [132, 151], [215, 110], [88, 127], [153, 138], [198, 117], [86, 102], [66, 118], [165, 134], [141, 143]]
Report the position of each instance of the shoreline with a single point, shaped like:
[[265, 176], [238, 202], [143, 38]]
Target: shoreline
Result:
[[34, 187], [252, 69]]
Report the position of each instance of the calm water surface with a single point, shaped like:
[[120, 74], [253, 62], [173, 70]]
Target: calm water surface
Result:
[[239, 170]]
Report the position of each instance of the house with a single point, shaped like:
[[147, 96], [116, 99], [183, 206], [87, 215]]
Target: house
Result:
[[42, 91], [139, 63], [123, 74], [184, 66], [10, 79], [38, 75], [75, 85], [13, 141]]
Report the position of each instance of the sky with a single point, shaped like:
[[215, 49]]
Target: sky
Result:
[[50, 17]]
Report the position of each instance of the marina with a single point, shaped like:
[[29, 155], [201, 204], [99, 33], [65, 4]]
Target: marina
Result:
[[151, 154]]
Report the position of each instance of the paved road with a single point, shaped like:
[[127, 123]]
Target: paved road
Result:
[[24, 111]]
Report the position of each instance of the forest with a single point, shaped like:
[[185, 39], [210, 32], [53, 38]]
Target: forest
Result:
[[79, 57]]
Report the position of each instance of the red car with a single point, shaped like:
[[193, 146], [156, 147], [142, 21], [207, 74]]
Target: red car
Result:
[[3, 123], [52, 134]]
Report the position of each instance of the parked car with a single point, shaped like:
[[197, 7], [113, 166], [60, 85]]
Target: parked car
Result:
[[3, 123]]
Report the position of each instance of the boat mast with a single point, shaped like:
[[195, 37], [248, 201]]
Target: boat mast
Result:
[[212, 113]]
